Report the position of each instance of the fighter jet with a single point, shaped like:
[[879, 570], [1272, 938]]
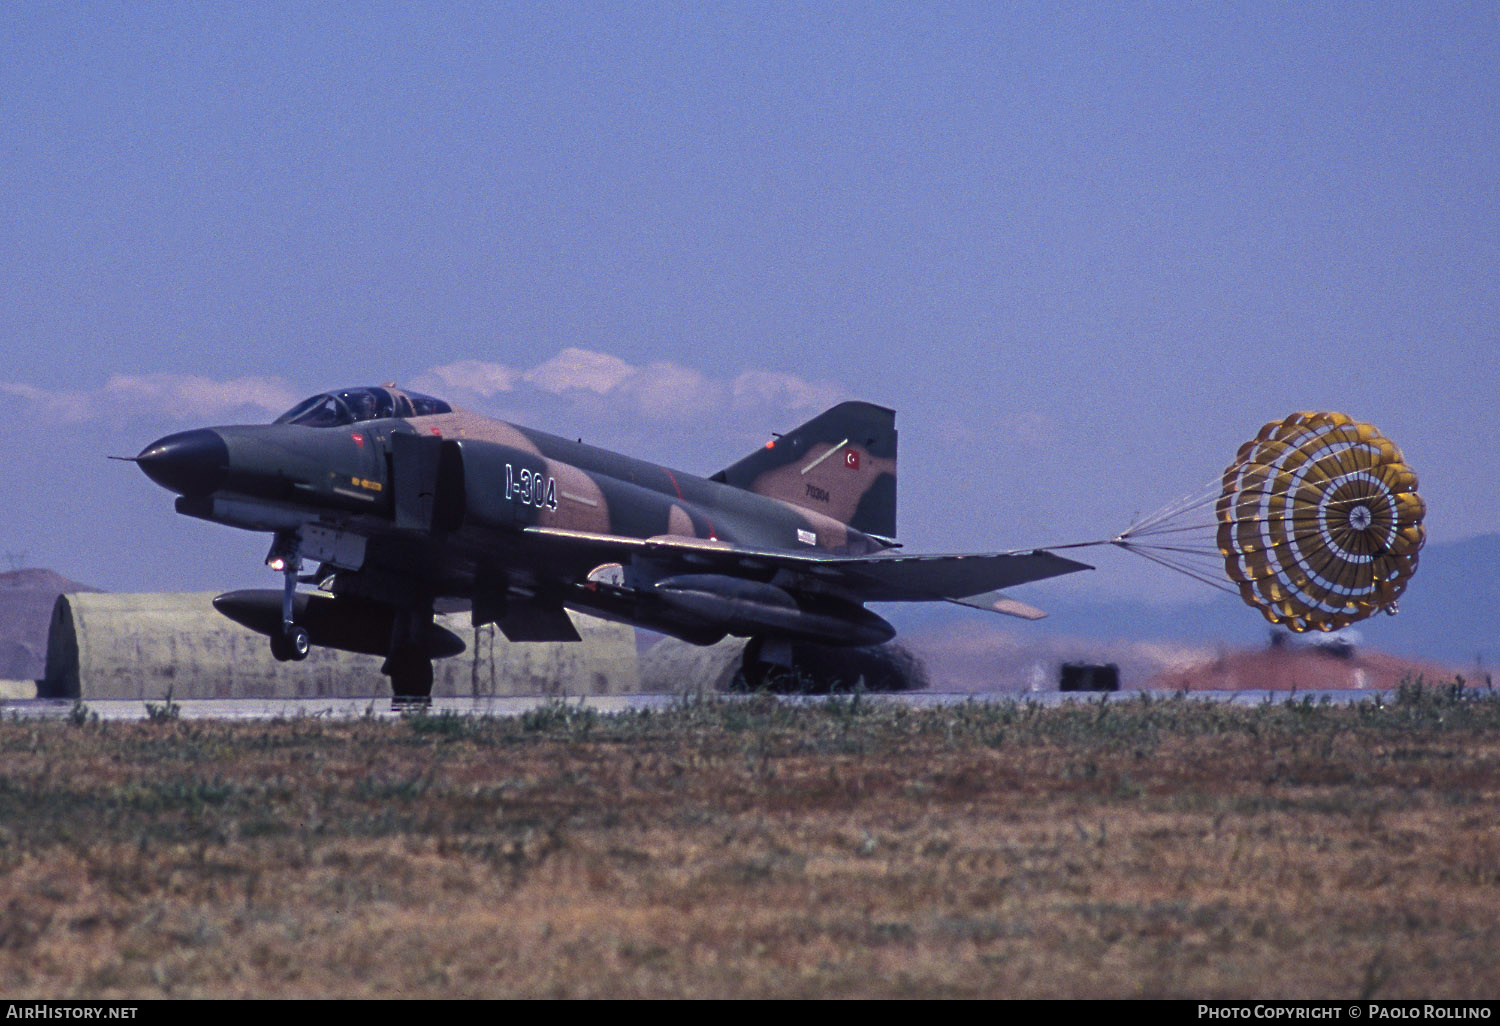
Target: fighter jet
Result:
[[406, 505]]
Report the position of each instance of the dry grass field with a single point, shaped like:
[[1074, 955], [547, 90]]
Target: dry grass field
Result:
[[758, 848]]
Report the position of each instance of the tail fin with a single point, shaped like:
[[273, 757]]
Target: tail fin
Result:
[[842, 463]]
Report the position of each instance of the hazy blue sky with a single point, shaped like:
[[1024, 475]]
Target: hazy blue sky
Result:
[[1083, 249]]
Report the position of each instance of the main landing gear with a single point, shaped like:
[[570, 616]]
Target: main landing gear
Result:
[[767, 665], [776, 666], [409, 661]]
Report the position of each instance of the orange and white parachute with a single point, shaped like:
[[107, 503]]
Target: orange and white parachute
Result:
[[1317, 523]]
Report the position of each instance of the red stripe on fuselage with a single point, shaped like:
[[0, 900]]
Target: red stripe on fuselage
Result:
[[713, 534]]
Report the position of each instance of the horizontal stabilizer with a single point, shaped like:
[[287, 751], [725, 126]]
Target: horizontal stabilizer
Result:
[[916, 578], [999, 602]]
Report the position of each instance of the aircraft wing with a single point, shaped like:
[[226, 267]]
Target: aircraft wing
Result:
[[886, 577]]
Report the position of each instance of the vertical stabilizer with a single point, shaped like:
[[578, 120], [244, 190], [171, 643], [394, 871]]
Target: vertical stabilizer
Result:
[[842, 463]]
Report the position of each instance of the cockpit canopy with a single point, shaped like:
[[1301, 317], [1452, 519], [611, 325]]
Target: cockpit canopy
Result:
[[354, 405]]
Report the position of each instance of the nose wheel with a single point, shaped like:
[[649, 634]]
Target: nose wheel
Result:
[[292, 644]]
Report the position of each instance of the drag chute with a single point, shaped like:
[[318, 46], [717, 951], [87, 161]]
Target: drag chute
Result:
[[1317, 523]]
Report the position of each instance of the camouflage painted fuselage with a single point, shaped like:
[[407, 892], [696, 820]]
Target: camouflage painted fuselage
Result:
[[459, 505], [533, 478]]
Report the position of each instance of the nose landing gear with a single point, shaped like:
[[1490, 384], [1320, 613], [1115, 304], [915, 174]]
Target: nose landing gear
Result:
[[293, 642]]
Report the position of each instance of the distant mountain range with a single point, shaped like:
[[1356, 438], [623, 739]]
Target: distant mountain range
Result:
[[26, 600]]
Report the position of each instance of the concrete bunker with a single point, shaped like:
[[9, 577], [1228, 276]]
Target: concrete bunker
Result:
[[142, 646]]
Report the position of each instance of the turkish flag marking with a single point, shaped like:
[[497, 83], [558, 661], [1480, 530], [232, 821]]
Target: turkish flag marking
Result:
[[851, 459]]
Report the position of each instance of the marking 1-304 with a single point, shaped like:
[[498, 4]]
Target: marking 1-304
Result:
[[530, 489]]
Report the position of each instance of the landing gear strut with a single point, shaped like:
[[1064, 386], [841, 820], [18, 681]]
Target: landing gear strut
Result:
[[293, 642], [409, 662]]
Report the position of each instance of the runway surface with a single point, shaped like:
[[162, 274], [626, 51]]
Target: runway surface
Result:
[[382, 708]]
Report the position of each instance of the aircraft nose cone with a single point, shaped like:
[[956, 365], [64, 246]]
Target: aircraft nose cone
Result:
[[188, 463]]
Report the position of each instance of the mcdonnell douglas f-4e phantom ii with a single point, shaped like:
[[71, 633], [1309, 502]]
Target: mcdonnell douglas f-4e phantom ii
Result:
[[407, 504]]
